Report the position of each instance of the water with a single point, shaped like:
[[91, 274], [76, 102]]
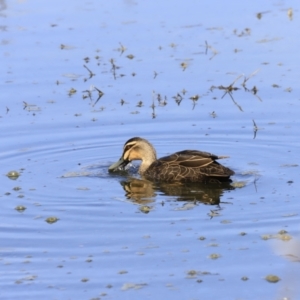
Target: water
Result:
[[118, 237]]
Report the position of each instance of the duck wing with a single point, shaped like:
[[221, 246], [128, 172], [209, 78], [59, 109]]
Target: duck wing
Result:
[[191, 158], [189, 165]]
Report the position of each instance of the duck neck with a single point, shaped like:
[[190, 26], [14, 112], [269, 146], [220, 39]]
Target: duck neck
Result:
[[148, 159], [144, 166]]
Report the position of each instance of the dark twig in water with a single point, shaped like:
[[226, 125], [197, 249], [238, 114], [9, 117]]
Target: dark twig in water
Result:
[[239, 107], [158, 98], [113, 68], [229, 90], [164, 102], [91, 73], [256, 178], [247, 78], [89, 94], [255, 129], [214, 51], [254, 90], [260, 14], [122, 49], [214, 212], [194, 99], [178, 98], [100, 94], [153, 105]]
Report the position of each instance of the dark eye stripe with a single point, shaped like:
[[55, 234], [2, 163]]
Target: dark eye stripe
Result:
[[127, 147]]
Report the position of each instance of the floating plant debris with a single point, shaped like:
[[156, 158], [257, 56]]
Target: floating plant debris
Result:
[[20, 208], [51, 220], [145, 209], [13, 175], [272, 278], [214, 256]]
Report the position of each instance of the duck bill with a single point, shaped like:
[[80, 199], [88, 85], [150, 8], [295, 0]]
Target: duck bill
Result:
[[119, 165]]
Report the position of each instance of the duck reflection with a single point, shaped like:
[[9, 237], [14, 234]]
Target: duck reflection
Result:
[[142, 191], [139, 191]]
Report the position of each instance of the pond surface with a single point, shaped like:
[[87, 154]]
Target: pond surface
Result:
[[79, 78]]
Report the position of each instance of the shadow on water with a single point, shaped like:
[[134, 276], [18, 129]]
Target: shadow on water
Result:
[[142, 191]]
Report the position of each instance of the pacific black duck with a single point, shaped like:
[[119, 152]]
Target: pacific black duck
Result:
[[182, 166]]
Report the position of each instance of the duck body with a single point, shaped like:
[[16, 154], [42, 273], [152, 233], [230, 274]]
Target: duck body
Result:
[[183, 166], [188, 166]]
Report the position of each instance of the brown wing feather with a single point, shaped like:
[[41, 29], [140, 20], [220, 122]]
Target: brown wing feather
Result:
[[190, 159], [188, 165]]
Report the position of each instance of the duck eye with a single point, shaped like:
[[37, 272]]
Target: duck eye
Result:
[[127, 148]]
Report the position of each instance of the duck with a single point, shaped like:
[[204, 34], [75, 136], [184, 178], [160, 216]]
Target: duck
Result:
[[187, 166]]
